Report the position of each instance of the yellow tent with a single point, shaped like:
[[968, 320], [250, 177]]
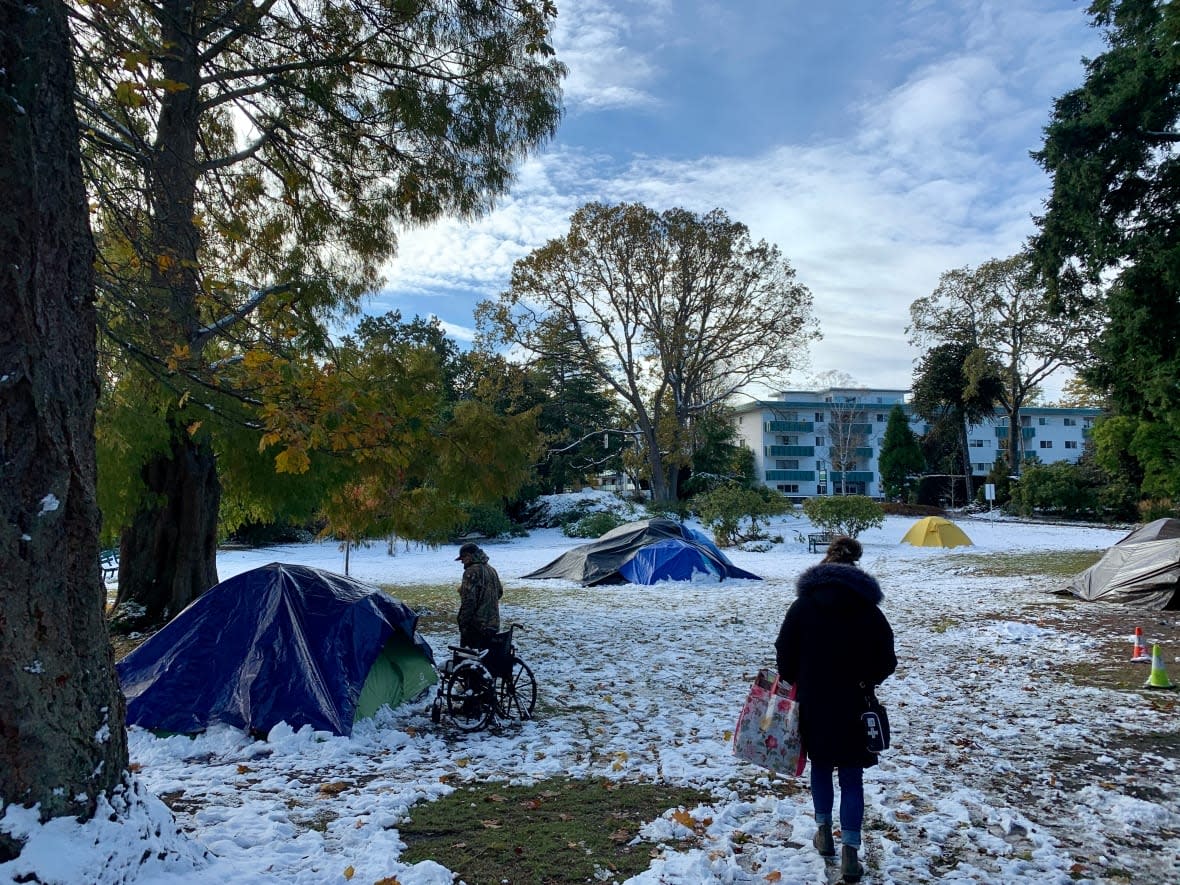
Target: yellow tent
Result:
[[934, 531]]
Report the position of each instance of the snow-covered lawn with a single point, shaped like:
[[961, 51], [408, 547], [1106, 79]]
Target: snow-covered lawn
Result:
[[1006, 765]]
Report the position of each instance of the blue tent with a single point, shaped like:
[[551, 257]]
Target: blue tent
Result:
[[278, 643], [642, 553]]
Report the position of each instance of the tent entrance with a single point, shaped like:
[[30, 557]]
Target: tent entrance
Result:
[[399, 674]]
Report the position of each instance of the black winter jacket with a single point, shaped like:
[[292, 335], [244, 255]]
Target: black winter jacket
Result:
[[833, 638]]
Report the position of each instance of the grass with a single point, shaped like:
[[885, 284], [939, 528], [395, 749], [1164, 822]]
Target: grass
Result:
[[1053, 564], [557, 832]]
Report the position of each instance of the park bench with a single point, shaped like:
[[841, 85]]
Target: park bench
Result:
[[108, 560], [816, 540]]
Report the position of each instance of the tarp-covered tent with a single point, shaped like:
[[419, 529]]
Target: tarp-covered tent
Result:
[[1158, 530], [642, 553], [280, 643], [1139, 573], [934, 531]]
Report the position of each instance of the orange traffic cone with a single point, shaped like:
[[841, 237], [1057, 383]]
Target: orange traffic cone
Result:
[[1139, 654], [1159, 676]]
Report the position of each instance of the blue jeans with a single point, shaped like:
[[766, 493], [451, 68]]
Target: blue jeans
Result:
[[852, 800]]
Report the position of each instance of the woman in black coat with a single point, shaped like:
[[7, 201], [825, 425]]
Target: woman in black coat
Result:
[[834, 639]]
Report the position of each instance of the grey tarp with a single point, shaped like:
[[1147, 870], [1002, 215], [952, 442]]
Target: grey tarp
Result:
[[1159, 530], [1144, 574]]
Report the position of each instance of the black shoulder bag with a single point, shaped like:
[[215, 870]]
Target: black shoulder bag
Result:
[[875, 721]]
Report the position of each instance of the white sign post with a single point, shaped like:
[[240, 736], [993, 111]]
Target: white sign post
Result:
[[989, 492]]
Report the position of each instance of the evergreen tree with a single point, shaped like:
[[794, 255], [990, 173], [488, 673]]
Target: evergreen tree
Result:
[[900, 458], [250, 166], [1109, 240]]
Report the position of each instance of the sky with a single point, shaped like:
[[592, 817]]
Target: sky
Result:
[[1010, 763], [878, 143]]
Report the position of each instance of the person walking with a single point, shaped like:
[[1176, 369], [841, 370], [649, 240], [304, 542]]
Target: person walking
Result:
[[479, 598], [834, 642]]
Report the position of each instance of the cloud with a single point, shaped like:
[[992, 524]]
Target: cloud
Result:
[[596, 41], [932, 173]]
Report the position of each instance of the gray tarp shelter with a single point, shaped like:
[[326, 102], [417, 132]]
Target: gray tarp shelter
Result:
[[1145, 574], [1158, 530]]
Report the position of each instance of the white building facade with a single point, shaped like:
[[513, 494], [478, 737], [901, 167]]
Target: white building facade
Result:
[[825, 442]]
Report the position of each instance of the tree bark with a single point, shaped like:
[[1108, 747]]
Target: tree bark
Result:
[[62, 740]]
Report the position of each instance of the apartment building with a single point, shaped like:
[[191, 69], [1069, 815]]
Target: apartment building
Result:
[[826, 442]]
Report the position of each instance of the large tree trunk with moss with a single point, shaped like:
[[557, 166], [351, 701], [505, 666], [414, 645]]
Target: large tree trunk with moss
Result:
[[62, 740], [168, 555]]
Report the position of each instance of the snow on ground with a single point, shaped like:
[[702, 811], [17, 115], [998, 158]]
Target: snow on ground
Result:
[[1003, 768]]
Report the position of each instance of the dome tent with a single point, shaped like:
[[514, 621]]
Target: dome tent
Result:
[[280, 643], [1142, 569], [643, 552], [934, 531]]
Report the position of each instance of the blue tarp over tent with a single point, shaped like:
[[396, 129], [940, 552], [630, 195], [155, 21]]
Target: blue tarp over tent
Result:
[[277, 643], [642, 553]]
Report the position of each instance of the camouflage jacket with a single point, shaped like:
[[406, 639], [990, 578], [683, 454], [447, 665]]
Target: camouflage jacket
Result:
[[479, 596]]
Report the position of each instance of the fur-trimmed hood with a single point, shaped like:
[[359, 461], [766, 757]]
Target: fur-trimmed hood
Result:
[[834, 576]]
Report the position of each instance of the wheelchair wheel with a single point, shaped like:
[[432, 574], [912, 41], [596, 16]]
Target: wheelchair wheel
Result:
[[469, 697], [517, 690]]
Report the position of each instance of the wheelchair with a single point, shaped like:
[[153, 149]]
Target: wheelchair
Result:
[[477, 686]]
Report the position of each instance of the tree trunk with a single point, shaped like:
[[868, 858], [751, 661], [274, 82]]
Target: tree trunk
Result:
[[965, 448], [168, 555], [62, 740], [1014, 459]]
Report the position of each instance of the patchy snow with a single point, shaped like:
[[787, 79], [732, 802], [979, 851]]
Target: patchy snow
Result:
[[1003, 768]]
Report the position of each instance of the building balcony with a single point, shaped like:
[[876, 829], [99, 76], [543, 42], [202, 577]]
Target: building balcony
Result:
[[790, 451], [1025, 432], [790, 475], [790, 426], [851, 476]]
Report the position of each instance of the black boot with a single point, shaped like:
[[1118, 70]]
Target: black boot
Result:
[[823, 841], [850, 867]]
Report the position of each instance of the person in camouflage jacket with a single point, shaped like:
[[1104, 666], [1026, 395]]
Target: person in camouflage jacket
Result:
[[479, 598]]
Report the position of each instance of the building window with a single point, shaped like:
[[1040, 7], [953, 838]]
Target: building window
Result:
[[821, 488], [820, 441], [788, 488], [1044, 422], [1046, 444], [819, 417], [788, 440], [1070, 422], [786, 464], [1025, 421], [1071, 443], [976, 443], [880, 417]]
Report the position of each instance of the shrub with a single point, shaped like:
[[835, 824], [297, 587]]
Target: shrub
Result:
[[1074, 491], [593, 525], [844, 514], [891, 508], [735, 515], [1152, 509], [490, 522]]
